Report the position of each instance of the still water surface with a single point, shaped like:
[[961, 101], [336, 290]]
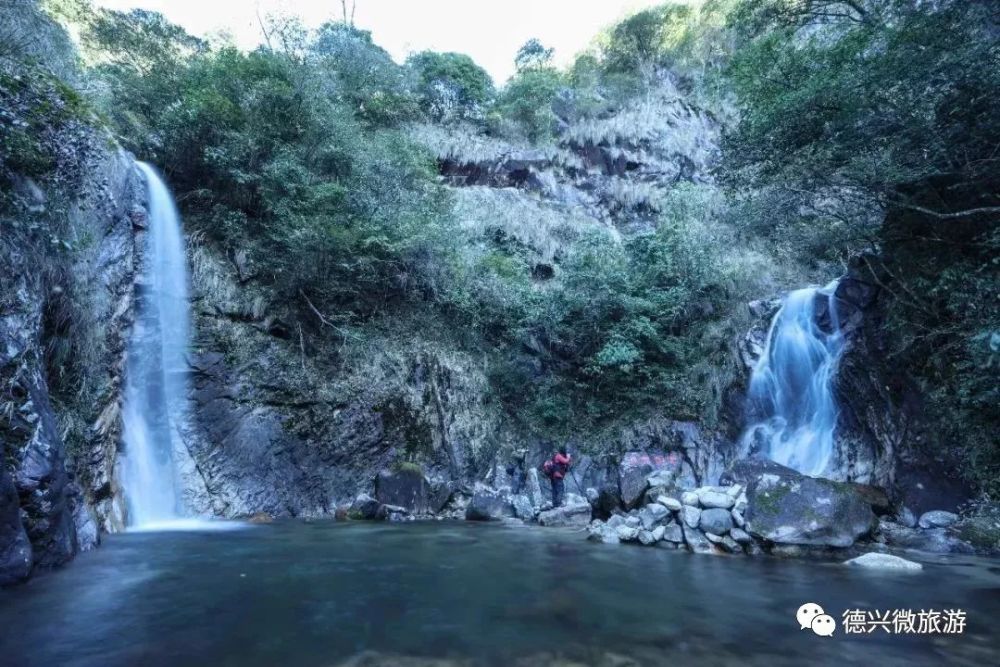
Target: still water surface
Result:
[[323, 593]]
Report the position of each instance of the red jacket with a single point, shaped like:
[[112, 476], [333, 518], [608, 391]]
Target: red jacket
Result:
[[560, 465]]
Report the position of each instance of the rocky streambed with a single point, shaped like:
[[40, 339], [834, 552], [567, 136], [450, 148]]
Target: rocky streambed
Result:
[[759, 507]]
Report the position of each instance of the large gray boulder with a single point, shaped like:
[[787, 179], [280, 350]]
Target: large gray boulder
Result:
[[567, 516], [937, 519], [488, 505], [712, 497], [404, 486], [785, 507], [632, 480], [715, 520]]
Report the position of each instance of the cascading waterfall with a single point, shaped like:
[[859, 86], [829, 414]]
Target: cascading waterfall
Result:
[[156, 389], [791, 388]]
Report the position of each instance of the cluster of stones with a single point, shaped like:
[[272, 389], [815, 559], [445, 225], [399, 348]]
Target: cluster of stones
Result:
[[706, 519]]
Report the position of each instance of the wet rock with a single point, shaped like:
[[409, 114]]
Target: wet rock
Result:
[[633, 521], [712, 497], [598, 531], [609, 500], [789, 508], [567, 516], [933, 540], [646, 537], [651, 515], [658, 532], [690, 516], [488, 505], [364, 507], [738, 519], [633, 482], [671, 504], [937, 519], [875, 496], [404, 486], [523, 509], [15, 548], [627, 533], [713, 538], [740, 536], [392, 513], [715, 520], [673, 533], [696, 541], [906, 517], [884, 562], [730, 545]]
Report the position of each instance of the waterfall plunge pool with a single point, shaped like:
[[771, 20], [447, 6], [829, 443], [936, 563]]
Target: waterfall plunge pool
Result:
[[442, 593]]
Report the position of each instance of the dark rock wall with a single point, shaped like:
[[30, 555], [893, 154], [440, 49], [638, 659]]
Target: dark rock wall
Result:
[[62, 471]]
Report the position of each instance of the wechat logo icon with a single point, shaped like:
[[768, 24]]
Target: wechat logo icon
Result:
[[812, 617]]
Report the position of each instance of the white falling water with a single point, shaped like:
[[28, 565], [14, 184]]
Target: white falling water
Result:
[[791, 389], [156, 390]]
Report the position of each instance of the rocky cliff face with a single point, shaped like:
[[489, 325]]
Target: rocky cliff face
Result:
[[60, 441]]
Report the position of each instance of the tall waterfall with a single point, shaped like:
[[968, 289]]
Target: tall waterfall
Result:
[[791, 389], [156, 389]]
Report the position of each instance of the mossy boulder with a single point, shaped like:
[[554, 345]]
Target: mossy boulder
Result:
[[784, 507]]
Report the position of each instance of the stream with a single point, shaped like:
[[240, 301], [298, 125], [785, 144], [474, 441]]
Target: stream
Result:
[[325, 593]]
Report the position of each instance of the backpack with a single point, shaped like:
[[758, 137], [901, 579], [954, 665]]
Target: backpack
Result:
[[548, 469]]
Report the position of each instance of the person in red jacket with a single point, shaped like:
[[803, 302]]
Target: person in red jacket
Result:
[[556, 468]]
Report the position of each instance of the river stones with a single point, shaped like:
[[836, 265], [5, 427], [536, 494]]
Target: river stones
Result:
[[937, 519], [567, 516], [689, 498], [671, 504], [673, 533], [715, 520], [651, 515], [691, 515], [697, 541], [789, 508], [627, 533], [711, 497], [878, 561], [740, 536]]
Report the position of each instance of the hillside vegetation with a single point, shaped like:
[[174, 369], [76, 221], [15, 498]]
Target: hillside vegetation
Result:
[[591, 236]]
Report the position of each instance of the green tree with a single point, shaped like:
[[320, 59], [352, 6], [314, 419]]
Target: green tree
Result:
[[451, 85]]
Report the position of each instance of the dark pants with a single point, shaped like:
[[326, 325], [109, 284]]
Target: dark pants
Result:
[[558, 488]]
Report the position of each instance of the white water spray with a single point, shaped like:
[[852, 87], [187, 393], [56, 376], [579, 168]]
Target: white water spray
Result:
[[791, 389], [156, 390]]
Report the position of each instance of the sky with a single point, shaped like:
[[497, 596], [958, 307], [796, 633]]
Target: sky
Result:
[[490, 31]]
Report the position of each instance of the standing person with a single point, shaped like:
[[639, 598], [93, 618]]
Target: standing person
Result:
[[556, 468]]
